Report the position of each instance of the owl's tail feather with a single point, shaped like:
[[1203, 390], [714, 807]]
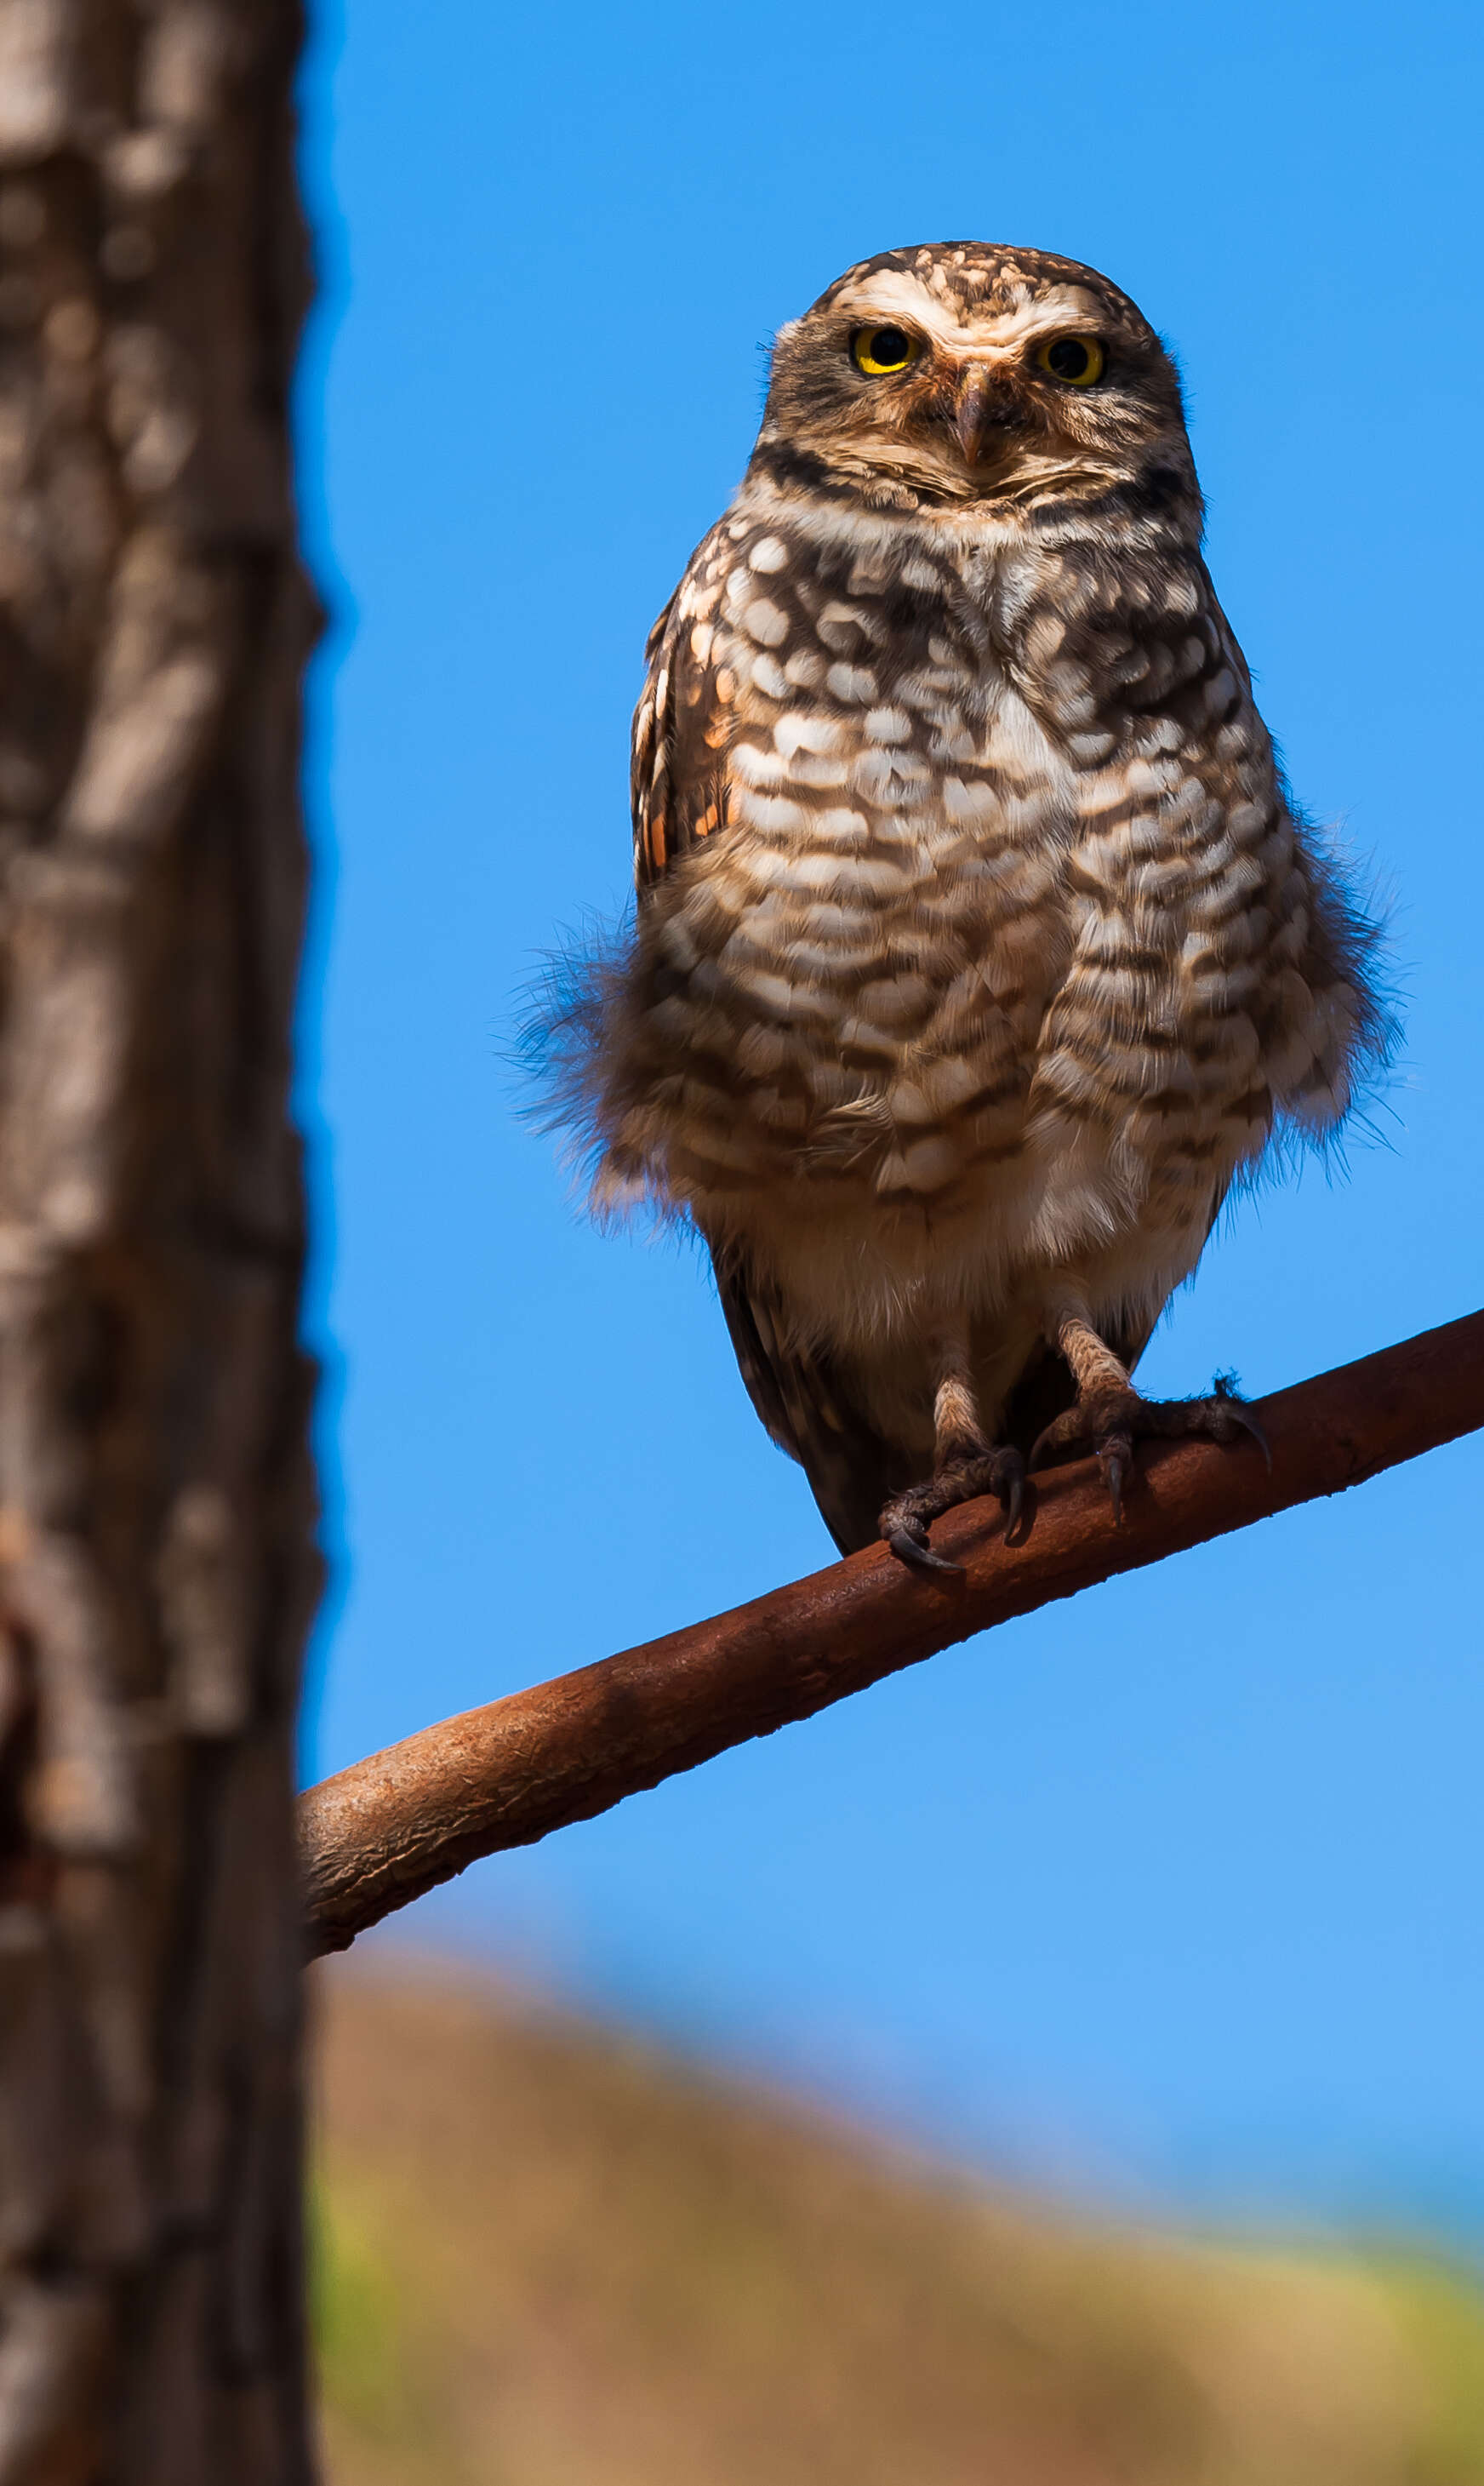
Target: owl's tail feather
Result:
[[805, 1403]]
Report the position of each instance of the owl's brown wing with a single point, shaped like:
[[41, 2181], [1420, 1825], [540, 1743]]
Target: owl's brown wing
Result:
[[683, 729], [682, 726], [805, 1403]]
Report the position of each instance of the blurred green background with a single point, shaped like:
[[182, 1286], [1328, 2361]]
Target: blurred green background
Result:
[[550, 2255]]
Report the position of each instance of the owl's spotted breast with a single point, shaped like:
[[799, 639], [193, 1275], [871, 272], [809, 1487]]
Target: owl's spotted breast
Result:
[[985, 898], [848, 946]]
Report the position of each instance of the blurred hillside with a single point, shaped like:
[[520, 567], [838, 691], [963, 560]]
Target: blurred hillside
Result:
[[549, 2257]]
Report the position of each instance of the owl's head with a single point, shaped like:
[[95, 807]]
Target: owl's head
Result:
[[967, 372]]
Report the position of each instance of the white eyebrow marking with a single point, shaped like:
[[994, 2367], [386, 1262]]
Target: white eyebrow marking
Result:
[[892, 294]]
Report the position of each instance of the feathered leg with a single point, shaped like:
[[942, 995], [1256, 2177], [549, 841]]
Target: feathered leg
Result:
[[1109, 1416], [965, 1465]]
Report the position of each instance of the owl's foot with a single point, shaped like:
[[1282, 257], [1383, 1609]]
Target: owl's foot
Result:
[[907, 1517], [1109, 1420]]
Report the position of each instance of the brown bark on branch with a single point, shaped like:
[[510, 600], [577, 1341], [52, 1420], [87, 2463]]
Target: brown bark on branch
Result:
[[392, 1827], [156, 1501]]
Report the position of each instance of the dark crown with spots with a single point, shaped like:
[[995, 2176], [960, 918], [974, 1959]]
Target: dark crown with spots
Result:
[[988, 277]]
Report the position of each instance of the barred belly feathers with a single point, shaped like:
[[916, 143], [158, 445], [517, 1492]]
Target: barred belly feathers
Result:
[[978, 947]]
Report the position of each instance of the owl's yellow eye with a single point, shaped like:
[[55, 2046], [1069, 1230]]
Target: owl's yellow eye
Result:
[[878, 351], [1079, 361]]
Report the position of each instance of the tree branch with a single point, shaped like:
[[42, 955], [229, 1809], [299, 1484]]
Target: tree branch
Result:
[[390, 1828]]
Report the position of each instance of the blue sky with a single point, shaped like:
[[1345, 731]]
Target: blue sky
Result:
[[1173, 1890]]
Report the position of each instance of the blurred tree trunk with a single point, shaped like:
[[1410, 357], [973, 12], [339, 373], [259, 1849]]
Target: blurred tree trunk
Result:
[[156, 1501]]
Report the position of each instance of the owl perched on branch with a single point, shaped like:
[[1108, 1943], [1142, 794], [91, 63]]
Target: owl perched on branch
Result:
[[979, 948]]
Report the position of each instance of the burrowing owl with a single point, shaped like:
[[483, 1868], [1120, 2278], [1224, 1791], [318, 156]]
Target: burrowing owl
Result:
[[979, 947]]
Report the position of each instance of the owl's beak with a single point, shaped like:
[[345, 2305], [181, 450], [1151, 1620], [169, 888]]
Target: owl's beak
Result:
[[980, 410]]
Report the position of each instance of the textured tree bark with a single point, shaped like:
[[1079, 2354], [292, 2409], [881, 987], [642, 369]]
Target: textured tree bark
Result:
[[156, 1498], [392, 1827]]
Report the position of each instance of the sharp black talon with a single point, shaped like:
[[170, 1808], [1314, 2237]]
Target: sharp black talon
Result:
[[917, 1556], [1015, 1503], [1240, 1415], [1114, 1474]]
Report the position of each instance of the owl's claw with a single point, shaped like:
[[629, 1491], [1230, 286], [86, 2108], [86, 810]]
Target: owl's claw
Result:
[[1113, 1468], [907, 1517], [1239, 1414], [908, 1541], [1015, 1497], [1108, 1422]]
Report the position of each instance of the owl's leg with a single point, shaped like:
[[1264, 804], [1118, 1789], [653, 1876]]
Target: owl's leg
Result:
[[965, 1465], [1109, 1416]]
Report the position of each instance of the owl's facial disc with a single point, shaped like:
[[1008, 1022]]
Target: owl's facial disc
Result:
[[916, 385], [987, 403]]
